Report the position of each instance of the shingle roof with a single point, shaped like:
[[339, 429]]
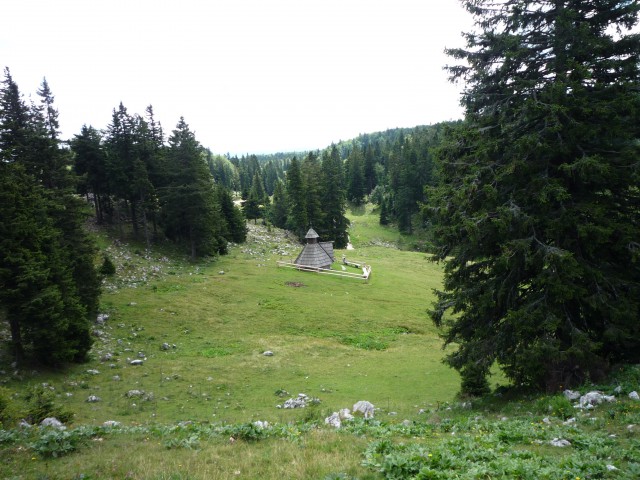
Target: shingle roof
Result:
[[311, 234], [315, 254]]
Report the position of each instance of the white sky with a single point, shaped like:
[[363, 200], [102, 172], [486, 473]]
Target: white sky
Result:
[[249, 76]]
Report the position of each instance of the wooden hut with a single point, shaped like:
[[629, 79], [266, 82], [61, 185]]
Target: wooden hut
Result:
[[315, 254]]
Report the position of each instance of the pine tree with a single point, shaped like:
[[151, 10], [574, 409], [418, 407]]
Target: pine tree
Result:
[[279, 207], [252, 205], [190, 208], [236, 226], [297, 220], [49, 286], [538, 213], [90, 164], [312, 180], [334, 203]]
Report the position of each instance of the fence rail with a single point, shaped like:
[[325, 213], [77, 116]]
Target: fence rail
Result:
[[366, 270]]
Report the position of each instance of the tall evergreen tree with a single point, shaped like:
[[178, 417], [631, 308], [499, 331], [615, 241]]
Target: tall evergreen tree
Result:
[[90, 164], [189, 202], [297, 220], [335, 224], [48, 284], [312, 180], [236, 227], [538, 214], [253, 204], [279, 207]]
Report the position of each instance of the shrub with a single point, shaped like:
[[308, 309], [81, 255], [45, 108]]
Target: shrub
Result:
[[108, 268], [41, 404]]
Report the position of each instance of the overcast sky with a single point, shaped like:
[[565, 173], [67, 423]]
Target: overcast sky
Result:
[[249, 76]]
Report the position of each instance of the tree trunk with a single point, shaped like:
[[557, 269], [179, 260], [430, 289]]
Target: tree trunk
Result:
[[16, 340]]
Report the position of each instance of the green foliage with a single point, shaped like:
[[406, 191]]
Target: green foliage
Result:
[[50, 287], [536, 209], [41, 404], [108, 267], [54, 443]]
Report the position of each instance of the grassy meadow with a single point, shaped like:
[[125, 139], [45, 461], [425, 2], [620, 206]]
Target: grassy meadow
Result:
[[201, 331]]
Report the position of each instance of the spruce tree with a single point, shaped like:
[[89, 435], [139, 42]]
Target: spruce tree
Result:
[[538, 213], [279, 208], [49, 286], [297, 220], [335, 224], [190, 208]]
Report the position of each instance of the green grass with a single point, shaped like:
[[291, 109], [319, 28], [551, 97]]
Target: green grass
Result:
[[336, 339]]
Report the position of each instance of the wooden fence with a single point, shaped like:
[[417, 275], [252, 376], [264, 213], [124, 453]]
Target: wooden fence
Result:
[[366, 270]]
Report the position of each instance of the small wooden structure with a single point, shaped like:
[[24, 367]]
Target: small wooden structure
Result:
[[315, 254], [318, 256]]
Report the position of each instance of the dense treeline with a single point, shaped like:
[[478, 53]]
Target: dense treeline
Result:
[[49, 287], [295, 191], [160, 188]]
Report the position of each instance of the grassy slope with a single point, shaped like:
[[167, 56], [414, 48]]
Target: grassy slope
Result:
[[336, 339]]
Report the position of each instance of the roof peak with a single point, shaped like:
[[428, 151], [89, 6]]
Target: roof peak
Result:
[[311, 234]]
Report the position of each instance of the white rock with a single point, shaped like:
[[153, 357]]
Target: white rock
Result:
[[333, 420], [260, 424], [52, 422], [618, 389], [111, 423], [93, 372], [93, 399], [546, 420], [591, 399], [612, 468], [268, 353], [570, 421], [634, 395], [571, 395], [345, 414], [364, 407], [560, 442], [136, 362]]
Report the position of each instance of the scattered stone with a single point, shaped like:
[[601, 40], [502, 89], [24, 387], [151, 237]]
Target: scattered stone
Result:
[[569, 421], [142, 355], [132, 304], [106, 357], [111, 423], [93, 399], [364, 407], [571, 395], [52, 422], [102, 318], [611, 468], [333, 420], [268, 353], [406, 423], [221, 272], [300, 402], [560, 442], [392, 414], [337, 418], [134, 393], [546, 420], [24, 424], [93, 372], [260, 425], [136, 362], [634, 395], [594, 398], [618, 389], [165, 346]]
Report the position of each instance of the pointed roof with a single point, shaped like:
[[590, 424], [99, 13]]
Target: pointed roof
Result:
[[314, 253], [311, 234]]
